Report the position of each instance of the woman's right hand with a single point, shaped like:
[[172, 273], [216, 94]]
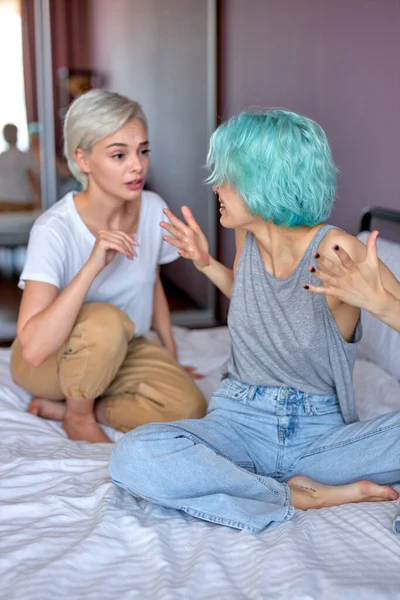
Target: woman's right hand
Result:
[[188, 238], [108, 244]]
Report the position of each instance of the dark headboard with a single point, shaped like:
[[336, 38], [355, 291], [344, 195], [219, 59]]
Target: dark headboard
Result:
[[384, 214]]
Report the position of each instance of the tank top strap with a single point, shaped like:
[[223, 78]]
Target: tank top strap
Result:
[[317, 239]]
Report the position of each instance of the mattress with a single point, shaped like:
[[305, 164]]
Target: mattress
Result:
[[66, 531]]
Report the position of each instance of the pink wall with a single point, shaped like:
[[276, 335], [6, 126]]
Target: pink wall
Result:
[[156, 52], [336, 61]]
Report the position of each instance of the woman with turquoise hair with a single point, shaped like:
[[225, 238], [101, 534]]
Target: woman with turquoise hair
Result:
[[282, 430]]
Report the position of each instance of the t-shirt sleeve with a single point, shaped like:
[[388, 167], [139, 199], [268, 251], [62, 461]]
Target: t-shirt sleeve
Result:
[[167, 252], [44, 258]]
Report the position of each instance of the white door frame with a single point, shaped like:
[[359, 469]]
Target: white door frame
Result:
[[44, 87]]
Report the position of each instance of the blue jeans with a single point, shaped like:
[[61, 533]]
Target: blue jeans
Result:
[[231, 467]]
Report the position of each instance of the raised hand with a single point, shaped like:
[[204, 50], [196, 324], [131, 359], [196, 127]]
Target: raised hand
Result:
[[356, 283], [188, 238], [108, 244]]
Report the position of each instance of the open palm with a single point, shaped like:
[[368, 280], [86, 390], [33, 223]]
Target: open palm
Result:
[[187, 237]]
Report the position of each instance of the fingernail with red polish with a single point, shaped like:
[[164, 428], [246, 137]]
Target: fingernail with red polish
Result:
[[312, 270], [336, 247], [306, 287], [317, 255]]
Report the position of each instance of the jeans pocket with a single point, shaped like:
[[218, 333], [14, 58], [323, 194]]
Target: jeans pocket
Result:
[[324, 405], [231, 389]]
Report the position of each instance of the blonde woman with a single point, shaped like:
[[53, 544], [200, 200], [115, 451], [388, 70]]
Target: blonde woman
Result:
[[92, 288]]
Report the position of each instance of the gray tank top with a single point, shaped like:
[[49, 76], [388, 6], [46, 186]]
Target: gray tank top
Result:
[[284, 335]]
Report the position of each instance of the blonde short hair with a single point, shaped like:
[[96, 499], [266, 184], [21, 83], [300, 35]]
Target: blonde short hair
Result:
[[92, 117]]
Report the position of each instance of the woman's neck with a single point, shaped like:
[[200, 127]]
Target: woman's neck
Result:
[[281, 248], [101, 211]]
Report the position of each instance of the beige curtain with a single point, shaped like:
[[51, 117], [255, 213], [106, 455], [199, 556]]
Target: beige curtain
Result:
[[29, 58], [70, 46]]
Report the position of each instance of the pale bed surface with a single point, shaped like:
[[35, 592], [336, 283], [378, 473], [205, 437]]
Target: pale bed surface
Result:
[[66, 531]]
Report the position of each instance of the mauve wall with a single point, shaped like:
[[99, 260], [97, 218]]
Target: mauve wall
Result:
[[156, 52], [336, 61]]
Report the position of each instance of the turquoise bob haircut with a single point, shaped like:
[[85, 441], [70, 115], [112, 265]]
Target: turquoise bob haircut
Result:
[[279, 162]]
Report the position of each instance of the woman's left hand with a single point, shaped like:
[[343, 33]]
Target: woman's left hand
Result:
[[192, 372], [170, 345], [356, 283]]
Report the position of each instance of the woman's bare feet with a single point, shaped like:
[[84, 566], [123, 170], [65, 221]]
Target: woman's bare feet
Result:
[[47, 409], [79, 427], [306, 493]]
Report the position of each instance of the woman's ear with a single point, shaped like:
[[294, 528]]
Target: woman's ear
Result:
[[82, 160]]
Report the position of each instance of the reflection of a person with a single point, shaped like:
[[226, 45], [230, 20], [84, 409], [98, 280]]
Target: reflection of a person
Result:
[[17, 179], [65, 182], [79, 84]]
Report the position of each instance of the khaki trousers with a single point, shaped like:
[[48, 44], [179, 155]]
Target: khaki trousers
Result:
[[141, 381]]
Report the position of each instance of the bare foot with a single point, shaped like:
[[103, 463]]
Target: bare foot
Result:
[[192, 371], [306, 493], [100, 411], [84, 428], [47, 409]]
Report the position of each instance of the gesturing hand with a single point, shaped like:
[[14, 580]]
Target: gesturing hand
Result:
[[108, 244], [356, 283], [188, 238]]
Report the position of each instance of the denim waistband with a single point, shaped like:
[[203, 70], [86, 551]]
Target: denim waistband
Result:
[[239, 390]]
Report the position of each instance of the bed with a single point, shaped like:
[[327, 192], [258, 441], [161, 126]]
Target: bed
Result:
[[66, 531]]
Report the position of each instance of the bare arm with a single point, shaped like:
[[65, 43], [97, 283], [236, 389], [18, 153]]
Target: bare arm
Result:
[[46, 317], [161, 321], [193, 245], [389, 312], [219, 274]]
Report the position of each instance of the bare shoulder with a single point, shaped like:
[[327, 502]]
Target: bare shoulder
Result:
[[356, 249]]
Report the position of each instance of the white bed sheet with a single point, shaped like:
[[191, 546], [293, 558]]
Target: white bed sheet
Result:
[[66, 531]]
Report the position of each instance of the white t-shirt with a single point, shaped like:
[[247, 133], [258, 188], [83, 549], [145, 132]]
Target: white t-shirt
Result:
[[14, 184], [60, 244]]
